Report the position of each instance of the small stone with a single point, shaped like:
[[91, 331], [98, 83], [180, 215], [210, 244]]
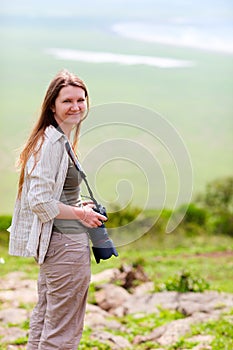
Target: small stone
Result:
[[11, 334], [111, 297], [115, 341], [13, 316], [105, 276]]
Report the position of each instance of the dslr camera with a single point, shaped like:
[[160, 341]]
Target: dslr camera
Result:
[[102, 245]]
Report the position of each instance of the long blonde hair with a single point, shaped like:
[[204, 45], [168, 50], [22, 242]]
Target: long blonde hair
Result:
[[46, 118]]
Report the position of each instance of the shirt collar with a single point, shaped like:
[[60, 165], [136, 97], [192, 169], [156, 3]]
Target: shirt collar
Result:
[[53, 133]]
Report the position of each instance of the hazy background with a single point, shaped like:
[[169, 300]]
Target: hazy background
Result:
[[186, 77]]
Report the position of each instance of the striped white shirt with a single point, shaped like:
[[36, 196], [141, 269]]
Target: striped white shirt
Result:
[[37, 207]]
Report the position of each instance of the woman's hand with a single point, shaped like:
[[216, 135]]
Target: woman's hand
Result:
[[90, 217], [85, 214]]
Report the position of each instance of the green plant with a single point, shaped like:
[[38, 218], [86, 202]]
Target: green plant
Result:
[[91, 294], [218, 200], [184, 281], [223, 223], [25, 325], [194, 214], [182, 343], [218, 195], [120, 217], [20, 341]]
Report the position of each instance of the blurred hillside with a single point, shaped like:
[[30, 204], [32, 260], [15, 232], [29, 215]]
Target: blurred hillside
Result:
[[194, 98]]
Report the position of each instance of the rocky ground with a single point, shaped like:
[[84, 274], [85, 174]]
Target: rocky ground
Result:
[[18, 295]]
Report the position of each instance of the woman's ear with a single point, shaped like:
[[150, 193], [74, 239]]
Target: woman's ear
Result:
[[53, 109]]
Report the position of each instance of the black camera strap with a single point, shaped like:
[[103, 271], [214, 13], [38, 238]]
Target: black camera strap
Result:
[[76, 163]]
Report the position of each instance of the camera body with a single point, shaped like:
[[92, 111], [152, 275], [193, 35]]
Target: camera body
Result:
[[103, 247], [100, 209]]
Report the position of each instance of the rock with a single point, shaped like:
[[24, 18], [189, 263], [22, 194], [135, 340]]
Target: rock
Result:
[[149, 303], [202, 347], [105, 276], [11, 334], [14, 316], [176, 329], [99, 321], [13, 276], [158, 332], [204, 341], [129, 276], [120, 311], [97, 318], [90, 308], [16, 290], [15, 280], [19, 296], [189, 308], [114, 341], [110, 297], [189, 303], [144, 288], [170, 333]]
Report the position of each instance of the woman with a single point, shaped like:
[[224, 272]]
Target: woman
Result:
[[50, 222]]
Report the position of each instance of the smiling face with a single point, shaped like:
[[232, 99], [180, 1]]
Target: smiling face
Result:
[[70, 107]]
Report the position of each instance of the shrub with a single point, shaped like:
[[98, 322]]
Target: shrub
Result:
[[218, 196], [120, 217], [222, 223], [184, 281], [195, 215]]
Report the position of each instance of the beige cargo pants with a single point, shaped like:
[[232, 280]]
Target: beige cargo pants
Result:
[[57, 320]]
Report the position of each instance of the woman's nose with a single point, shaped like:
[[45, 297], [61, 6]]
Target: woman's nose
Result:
[[75, 106]]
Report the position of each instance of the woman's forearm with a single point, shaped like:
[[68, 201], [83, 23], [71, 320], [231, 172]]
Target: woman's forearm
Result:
[[86, 215], [68, 212]]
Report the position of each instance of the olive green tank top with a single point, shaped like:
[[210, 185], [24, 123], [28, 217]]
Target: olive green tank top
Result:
[[71, 196]]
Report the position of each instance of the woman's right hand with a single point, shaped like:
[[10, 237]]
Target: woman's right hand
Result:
[[85, 214], [90, 217]]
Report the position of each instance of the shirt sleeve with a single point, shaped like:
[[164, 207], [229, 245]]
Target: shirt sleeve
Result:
[[42, 179]]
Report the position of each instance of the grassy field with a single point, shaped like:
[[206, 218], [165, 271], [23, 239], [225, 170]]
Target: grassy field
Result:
[[196, 100], [163, 256]]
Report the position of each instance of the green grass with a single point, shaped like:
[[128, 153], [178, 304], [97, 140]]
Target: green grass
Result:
[[145, 324], [162, 256], [221, 330]]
